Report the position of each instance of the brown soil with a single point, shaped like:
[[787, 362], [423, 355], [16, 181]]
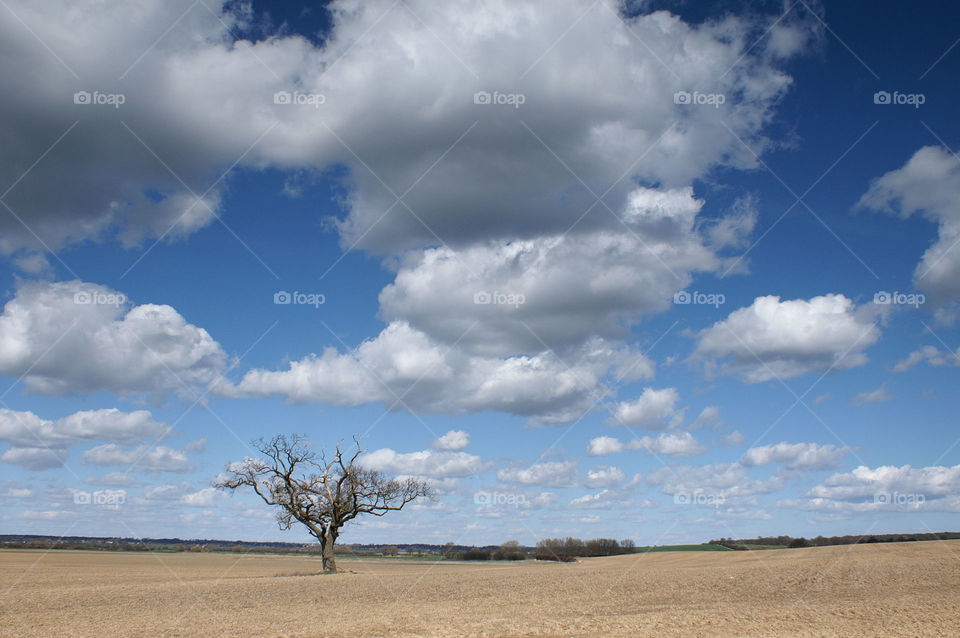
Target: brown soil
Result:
[[897, 589]]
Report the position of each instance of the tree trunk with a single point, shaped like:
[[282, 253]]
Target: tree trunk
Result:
[[329, 564]]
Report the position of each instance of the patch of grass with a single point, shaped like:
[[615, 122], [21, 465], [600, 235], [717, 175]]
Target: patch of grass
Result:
[[401, 557], [703, 547]]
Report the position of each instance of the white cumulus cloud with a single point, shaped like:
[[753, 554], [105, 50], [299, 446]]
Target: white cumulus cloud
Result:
[[202, 97], [664, 444], [604, 476], [798, 456], [404, 362], [885, 488], [547, 474], [75, 337], [156, 459], [652, 410], [782, 339], [40, 444], [929, 184], [428, 463], [454, 441]]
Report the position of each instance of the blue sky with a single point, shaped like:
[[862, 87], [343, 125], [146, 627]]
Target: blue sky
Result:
[[590, 269]]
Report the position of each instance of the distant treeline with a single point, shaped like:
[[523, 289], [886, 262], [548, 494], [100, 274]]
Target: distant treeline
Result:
[[118, 544], [121, 544], [569, 549], [549, 549], [559, 549], [822, 541], [511, 550]]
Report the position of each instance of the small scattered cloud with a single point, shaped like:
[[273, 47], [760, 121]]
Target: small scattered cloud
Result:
[[453, 441], [652, 410], [734, 438], [604, 476], [871, 397], [796, 456], [549, 474], [665, 444], [427, 463], [156, 459], [931, 355]]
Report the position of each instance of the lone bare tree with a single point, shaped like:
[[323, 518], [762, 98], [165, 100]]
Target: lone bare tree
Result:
[[321, 494]]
